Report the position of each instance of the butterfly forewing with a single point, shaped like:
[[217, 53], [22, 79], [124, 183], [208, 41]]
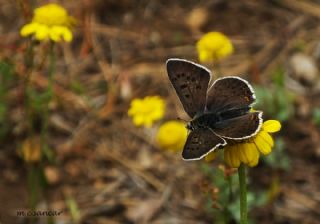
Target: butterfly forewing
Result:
[[190, 81], [200, 142], [229, 93], [241, 127]]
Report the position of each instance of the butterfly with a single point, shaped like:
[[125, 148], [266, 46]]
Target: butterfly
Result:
[[219, 113]]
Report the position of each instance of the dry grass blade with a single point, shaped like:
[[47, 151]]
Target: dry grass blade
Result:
[[64, 94], [307, 7], [303, 199], [131, 165]]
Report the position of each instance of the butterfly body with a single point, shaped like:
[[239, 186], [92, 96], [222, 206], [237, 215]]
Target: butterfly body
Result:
[[219, 112], [215, 120]]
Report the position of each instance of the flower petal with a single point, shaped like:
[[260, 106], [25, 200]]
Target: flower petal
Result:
[[147, 122], [42, 32], [267, 138], [232, 156], [262, 144], [56, 32], [67, 35], [51, 14], [251, 152], [204, 56], [271, 126], [242, 154], [211, 156], [254, 154], [138, 120], [28, 29]]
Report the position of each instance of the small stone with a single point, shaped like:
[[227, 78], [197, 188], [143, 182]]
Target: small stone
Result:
[[303, 68], [52, 174], [197, 18]]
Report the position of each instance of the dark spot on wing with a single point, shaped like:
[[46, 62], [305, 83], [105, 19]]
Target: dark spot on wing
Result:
[[183, 86]]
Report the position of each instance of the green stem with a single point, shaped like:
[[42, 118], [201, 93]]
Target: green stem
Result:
[[32, 184], [27, 101], [52, 65], [27, 88], [49, 92], [243, 194], [230, 188]]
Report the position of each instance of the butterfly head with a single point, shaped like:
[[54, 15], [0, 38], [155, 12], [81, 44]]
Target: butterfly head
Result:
[[196, 123], [189, 126]]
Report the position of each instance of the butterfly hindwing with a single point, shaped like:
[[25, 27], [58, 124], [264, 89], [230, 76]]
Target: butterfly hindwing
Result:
[[200, 142], [241, 127], [229, 93], [190, 81]]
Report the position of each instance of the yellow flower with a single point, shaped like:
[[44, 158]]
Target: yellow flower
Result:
[[248, 151], [213, 46], [172, 135], [49, 22], [147, 110]]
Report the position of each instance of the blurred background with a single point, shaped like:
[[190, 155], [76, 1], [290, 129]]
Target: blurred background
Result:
[[93, 165]]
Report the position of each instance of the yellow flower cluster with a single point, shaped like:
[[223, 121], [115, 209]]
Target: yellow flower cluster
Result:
[[248, 151], [172, 135], [213, 46], [49, 22], [146, 111]]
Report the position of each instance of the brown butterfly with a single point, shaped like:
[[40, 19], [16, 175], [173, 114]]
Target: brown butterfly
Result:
[[219, 112]]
